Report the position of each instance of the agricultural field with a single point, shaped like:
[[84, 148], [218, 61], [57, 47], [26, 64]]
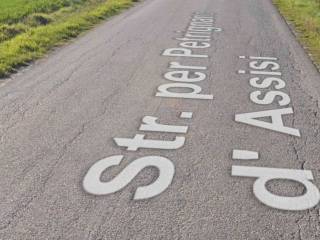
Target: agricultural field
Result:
[[305, 17], [29, 28]]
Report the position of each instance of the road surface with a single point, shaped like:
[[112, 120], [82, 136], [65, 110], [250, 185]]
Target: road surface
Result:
[[80, 106]]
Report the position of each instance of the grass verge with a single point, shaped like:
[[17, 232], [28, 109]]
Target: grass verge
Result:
[[33, 40], [305, 17]]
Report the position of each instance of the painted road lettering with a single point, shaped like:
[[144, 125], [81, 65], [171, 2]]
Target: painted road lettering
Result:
[[307, 200], [92, 183], [139, 141], [266, 97], [264, 74], [183, 77], [150, 124], [196, 38], [244, 155], [311, 196]]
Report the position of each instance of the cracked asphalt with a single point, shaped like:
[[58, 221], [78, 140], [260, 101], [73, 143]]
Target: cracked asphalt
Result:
[[59, 116]]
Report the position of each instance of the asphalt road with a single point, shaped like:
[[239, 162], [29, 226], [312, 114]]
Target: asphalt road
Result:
[[59, 116]]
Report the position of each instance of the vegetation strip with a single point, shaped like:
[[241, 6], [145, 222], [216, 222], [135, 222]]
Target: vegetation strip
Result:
[[29, 34], [305, 16]]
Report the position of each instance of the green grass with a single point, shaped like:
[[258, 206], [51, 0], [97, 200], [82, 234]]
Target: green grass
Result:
[[14, 10], [30, 28], [305, 16]]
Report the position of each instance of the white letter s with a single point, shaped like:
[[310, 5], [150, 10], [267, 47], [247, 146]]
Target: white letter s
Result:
[[93, 185]]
